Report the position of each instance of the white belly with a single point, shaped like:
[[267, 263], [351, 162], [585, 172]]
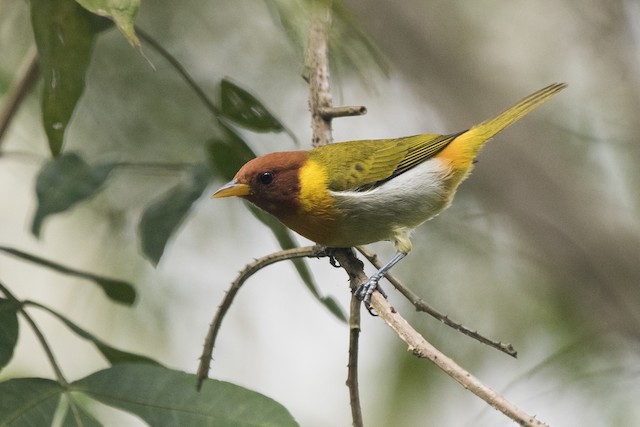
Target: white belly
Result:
[[392, 210]]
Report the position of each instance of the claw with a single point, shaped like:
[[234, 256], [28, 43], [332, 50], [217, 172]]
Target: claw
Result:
[[367, 288]]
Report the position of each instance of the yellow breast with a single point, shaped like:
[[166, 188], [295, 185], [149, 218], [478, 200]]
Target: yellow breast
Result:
[[317, 218]]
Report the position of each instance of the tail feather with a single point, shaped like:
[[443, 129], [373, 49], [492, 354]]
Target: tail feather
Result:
[[461, 152], [487, 129]]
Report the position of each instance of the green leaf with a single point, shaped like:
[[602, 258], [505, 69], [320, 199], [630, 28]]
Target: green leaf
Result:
[[122, 12], [65, 181], [81, 418], [162, 218], [64, 34], [160, 396], [8, 330], [28, 402], [113, 355], [226, 157], [241, 107], [118, 290], [164, 397], [228, 154]]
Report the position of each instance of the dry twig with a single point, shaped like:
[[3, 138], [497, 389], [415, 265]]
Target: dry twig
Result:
[[420, 347], [248, 271], [421, 305]]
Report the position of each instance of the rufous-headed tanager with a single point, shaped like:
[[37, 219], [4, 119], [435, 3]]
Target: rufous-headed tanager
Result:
[[353, 193]]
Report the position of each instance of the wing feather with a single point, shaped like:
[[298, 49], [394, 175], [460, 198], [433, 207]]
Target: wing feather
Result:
[[363, 165]]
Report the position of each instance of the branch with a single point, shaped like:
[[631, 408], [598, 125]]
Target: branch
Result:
[[352, 375], [248, 271], [26, 78], [423, 349], [317, 72], [421, 305], [328, 113]]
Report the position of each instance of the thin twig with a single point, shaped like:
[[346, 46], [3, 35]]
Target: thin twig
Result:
[[421, 305], [329, 113], [352, 376], [423, 349], [26, 78], [248, 271]]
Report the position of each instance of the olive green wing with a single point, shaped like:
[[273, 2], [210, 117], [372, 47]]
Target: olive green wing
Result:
[[362, 165], [421, 148], [352, 165]]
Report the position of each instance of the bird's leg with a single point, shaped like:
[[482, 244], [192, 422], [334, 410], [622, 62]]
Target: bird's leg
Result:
[[366, 289]]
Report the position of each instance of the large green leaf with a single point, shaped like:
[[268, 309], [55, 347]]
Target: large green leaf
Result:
[[65, 35], [245, 110], [28, 402], [122, 12], [160, 396], [112, 354], [164, 397], [162, 218], [227, 155], [118, 290], [65, 181], [8, 330], [80, 418]]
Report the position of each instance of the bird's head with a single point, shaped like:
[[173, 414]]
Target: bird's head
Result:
[[271, 182]]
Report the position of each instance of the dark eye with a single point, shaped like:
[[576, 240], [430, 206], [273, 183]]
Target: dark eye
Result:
[[265, 178]]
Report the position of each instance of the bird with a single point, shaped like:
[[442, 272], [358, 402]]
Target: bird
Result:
[[354, 193]]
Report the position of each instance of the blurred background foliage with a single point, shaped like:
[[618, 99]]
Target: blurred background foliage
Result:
[[540, 247]]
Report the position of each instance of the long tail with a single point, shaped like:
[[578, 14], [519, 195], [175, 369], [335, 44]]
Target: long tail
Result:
[[464, 148], [487, 129]]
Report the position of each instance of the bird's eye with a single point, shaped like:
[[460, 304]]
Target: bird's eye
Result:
[[266, 178]]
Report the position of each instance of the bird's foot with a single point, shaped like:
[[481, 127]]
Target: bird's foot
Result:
[[368, 287]]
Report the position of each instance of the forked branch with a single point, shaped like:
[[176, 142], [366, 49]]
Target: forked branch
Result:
[[421, 305]]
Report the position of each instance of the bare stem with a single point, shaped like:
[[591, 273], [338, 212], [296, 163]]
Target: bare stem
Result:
[[248, 271], [317, 72], [329, 113], [352, 376], [421, 305]]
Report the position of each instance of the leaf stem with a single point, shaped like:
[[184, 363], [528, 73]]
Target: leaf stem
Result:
[[180, 69], [39, 335]]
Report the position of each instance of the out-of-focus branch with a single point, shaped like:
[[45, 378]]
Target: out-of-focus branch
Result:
[[26, 77]]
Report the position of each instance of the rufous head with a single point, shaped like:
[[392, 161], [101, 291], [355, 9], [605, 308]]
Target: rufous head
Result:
[[270, 182]]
